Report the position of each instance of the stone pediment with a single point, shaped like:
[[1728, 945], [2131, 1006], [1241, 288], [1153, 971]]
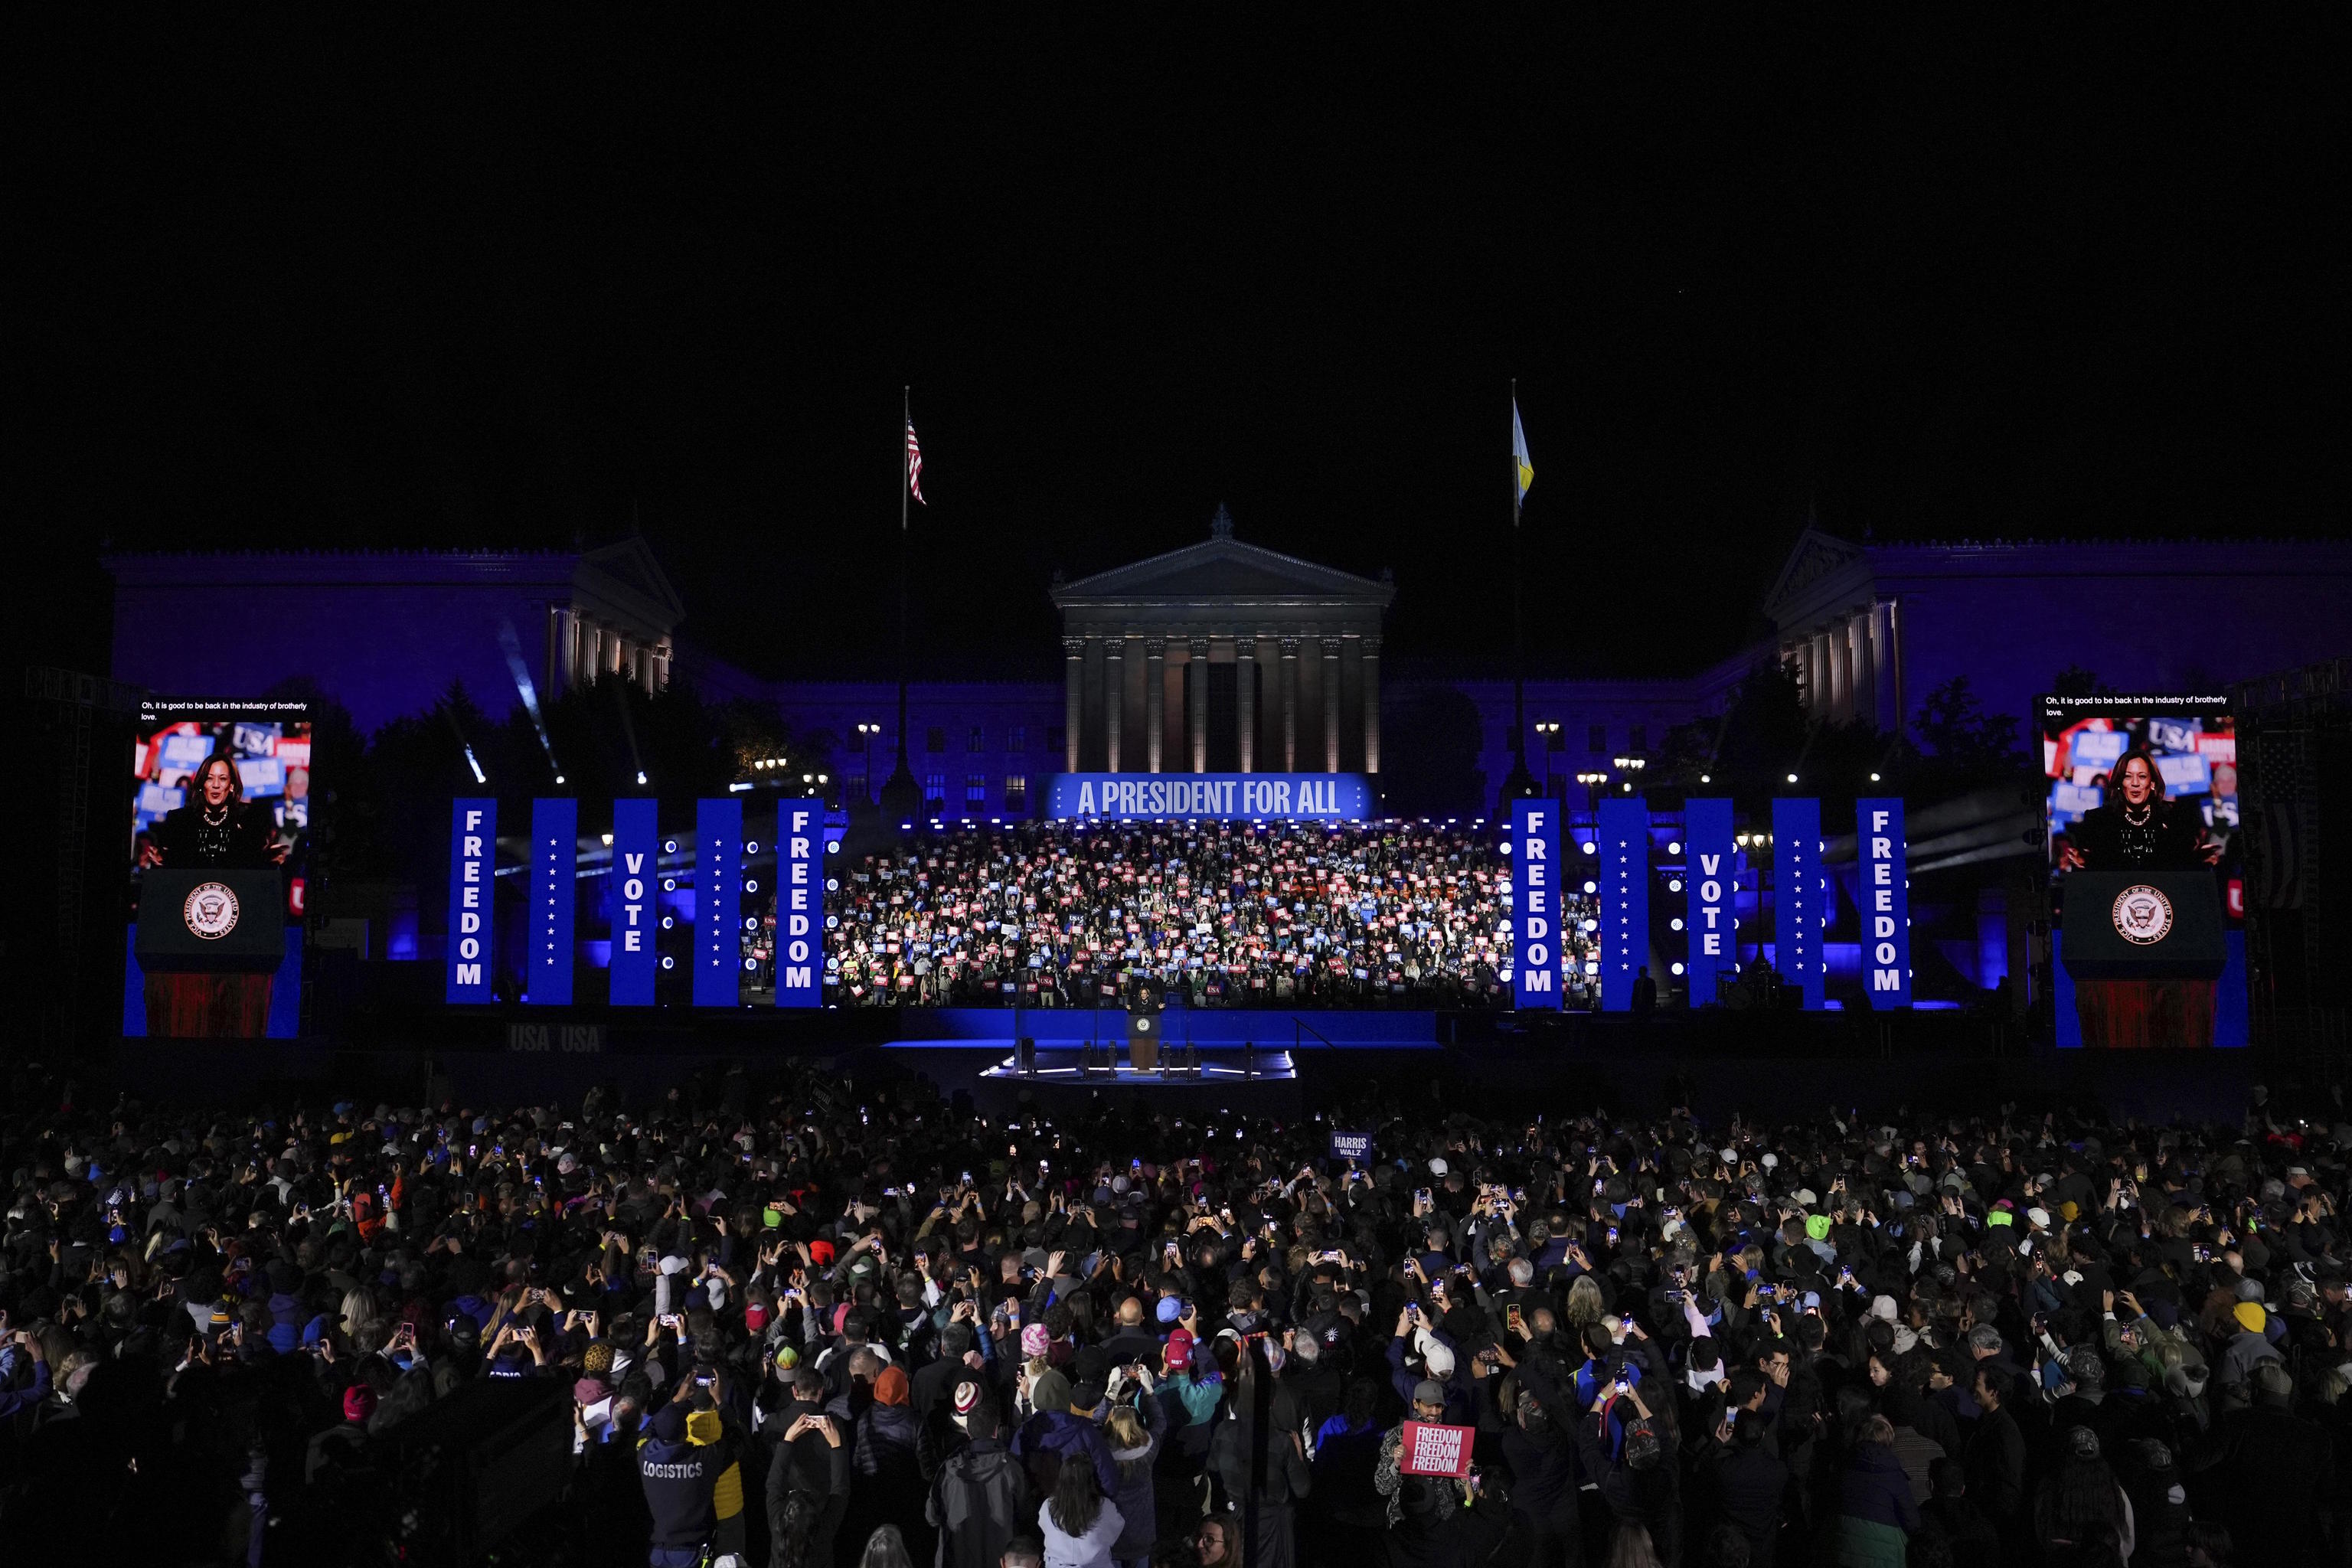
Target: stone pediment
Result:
[[1821, 564], [1225, 569], [627, 572]]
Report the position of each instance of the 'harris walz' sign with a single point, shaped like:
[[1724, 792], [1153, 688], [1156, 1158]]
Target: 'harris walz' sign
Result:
[[1269, 797]]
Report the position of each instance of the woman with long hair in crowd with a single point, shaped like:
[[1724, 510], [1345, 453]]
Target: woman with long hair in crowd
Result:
[[1080, 1524]]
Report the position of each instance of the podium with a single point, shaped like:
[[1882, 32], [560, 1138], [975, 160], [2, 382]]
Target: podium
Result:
[[1143, 1026], [2143, 948], [210, 944]]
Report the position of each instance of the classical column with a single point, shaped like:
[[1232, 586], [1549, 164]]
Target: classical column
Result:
[[1246, 699], [1330, 705], [663, 658], [1114, 698], [1073, 699], [1865, 679], [1371, 657], [1882, 686], [1196, 703], [1817, 701], [1290, 705], [1893, 608], [1155, 699]]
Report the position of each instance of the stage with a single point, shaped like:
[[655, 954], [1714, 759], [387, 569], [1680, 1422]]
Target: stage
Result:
[[1785, 1064]]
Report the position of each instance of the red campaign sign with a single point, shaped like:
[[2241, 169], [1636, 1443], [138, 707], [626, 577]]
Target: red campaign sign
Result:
[[1435, 1450]]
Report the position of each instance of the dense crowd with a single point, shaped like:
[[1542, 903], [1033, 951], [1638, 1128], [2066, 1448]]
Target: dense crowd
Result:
[[818, 1326], [1225, 914]]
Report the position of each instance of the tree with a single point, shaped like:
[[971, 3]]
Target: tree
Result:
[[1967, 744]]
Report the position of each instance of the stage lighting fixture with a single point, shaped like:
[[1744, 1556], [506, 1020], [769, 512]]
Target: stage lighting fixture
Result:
[[1674, 885], [1592, 887], [1792, 778], [670, 846], [1677, 969], [1676, 923], [1674, 847], [669, 963], [559, 778], [1874, 778], [608, 841], [1705, 779]]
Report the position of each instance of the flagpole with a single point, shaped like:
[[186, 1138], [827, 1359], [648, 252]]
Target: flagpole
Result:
[[1520, 783], [901, 799]]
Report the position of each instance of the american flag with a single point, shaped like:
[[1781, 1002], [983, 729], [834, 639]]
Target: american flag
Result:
[[914, 463]]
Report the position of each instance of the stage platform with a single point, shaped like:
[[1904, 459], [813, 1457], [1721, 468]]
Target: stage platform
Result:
[[1177, 1069], [1221, 1035]]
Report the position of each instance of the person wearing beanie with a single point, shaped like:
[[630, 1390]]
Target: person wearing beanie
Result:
[[341, 1447], [889, 1488], [981, 1498], [2243, 1348], [1053, 1436]]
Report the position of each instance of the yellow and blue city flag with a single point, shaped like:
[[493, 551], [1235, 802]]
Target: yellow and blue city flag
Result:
[[1519, 459]]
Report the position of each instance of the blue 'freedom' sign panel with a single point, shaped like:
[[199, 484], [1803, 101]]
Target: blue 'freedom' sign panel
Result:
[[1248, 798], [1534, 904], [472, 857], [1885, 902], [799, 903]]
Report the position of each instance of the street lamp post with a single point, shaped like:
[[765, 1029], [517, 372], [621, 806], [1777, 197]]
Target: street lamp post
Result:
[[1592, 782], [1547, 728]]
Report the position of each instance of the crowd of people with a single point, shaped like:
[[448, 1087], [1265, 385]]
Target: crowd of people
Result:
[[1224, 914], [817, 1324]]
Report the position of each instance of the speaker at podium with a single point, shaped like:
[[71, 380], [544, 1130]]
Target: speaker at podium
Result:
[[1145, 1001], [210, 943]]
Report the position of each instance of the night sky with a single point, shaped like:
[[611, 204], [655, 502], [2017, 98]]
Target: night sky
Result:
[[279, 290]]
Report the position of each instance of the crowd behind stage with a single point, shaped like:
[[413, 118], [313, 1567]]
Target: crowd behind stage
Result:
[[1225, 914], [819, 1324]]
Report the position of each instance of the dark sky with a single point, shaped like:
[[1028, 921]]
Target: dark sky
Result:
[[335, 291]]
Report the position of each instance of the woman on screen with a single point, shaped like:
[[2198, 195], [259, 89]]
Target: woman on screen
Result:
[[216, 829], [2136, 828]]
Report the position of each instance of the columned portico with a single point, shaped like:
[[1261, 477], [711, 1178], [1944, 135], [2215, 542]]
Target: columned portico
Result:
[[1227, 608]]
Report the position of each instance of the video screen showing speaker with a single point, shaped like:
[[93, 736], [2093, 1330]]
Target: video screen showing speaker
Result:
[[219, 847], [2146, 882]]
